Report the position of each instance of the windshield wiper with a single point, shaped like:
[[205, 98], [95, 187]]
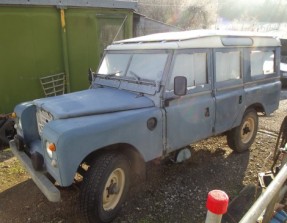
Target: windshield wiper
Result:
[[142, 80], [135, 75], [109, 75]]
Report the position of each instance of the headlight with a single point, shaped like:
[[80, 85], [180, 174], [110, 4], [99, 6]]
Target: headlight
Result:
[[50, 148]]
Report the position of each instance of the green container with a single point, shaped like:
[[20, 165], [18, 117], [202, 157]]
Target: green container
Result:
[[42, 40]]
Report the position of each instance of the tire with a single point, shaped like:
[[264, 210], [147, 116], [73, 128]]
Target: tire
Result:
[[105, 188], [7, 132], [241, 138]]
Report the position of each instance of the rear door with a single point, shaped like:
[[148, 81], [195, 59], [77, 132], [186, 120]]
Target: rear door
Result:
[[262, 84], [228, 88]]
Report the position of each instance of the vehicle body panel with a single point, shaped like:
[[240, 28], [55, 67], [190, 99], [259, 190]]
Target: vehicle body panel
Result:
[[189, 119], [98, 131], [92, 102]]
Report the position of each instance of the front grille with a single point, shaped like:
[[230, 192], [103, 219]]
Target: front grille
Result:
[[43, 117]]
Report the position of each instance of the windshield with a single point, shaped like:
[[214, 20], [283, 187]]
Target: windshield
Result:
[[138, 66]]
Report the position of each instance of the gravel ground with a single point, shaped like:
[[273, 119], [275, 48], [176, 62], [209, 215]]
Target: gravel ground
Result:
[[172, 193], [177, 192]]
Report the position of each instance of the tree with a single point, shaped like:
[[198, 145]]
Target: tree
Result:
[[263, 11], [198, 14], [187, 14]]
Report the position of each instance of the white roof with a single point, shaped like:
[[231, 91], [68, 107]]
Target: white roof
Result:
[[197, 39]]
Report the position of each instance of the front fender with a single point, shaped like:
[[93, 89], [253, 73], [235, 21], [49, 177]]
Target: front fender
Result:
[[79, 137]]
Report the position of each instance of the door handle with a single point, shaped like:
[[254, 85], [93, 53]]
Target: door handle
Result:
[[240, 99], [207, 113]]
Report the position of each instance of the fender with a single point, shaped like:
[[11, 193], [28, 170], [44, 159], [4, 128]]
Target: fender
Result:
[[76, 138]]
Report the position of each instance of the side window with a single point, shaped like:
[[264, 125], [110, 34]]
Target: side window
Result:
[[192, 66], [262, 62], [227, 66]]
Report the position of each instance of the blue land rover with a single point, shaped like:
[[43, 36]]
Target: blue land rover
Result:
[[151, 96]]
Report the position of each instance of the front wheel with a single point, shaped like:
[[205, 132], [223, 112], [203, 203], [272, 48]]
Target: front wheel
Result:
[[241, 138], [105, 187]]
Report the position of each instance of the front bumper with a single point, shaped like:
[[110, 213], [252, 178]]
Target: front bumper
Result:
[[44, 184]]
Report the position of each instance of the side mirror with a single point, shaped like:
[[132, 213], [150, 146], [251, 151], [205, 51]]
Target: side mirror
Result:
[[180, 85]]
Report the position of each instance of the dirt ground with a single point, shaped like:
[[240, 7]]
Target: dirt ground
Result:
[[172, 193]]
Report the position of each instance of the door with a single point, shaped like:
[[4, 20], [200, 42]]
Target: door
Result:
[[190, 117], [228, 88]]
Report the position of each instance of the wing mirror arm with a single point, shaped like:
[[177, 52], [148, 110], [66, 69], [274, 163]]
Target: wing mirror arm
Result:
[[91, 75]]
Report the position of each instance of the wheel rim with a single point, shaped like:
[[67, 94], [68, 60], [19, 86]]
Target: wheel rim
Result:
[[247, 130], [113, 190]]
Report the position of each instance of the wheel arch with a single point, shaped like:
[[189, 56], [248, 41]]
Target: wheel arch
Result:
[[136, 160], [258, 107]]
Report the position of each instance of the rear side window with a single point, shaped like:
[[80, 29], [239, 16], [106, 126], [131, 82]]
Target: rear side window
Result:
[[262, 62], [192, 66], [227, 66]]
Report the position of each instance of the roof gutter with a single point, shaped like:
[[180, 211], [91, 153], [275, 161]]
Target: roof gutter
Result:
[[74, 3]]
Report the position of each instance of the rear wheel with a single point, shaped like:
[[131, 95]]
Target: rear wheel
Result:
[[105, 187], [241, 138]]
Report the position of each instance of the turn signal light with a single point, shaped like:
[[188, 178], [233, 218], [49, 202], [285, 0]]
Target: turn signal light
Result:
[[13, 115], [52, 147]]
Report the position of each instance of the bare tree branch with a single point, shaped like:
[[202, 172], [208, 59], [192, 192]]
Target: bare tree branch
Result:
[[187, 14]]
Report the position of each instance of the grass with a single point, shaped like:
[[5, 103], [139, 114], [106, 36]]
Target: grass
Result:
[[11, 171]]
